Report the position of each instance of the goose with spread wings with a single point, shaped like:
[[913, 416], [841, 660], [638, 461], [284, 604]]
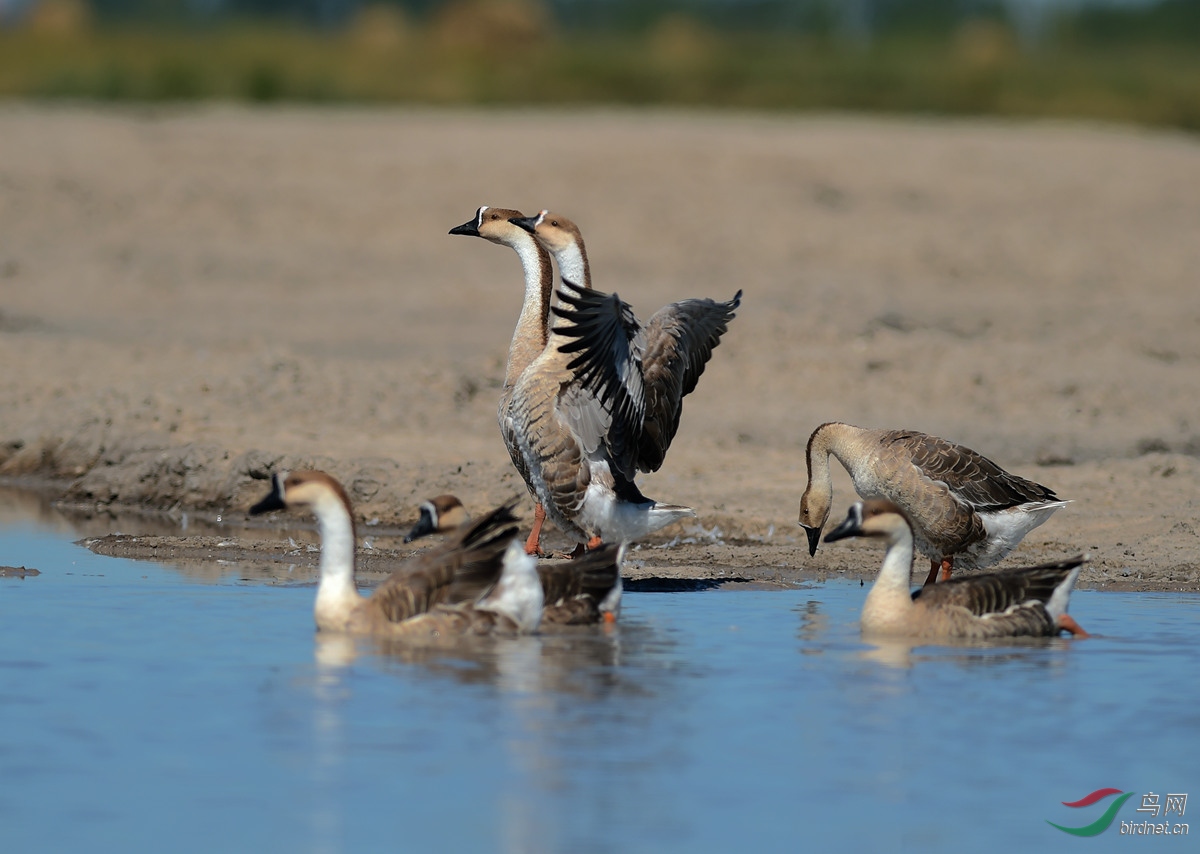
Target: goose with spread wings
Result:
[[604, 399], [588, 416]]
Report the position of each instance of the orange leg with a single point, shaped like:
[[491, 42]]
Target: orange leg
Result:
[[1066, 623], [582, 549], [533, 545], [947, 568]]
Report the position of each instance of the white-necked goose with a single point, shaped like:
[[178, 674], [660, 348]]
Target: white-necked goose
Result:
[[1030, 601], [966, 511], [478, 582], [617, 403], [529, 337], [575, 592]]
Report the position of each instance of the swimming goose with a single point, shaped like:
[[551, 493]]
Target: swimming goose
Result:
[[529, 337], [965, 510], [1031, 601], [646, 373], [577, 592], [478, 582]]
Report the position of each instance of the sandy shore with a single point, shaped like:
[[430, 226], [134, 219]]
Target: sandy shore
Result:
[[189, 299]]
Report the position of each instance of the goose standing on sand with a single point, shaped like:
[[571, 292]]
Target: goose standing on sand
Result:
[[965, 510], [590, 422], [1027, 602], [478, 582], [576, 592], [529, 337]]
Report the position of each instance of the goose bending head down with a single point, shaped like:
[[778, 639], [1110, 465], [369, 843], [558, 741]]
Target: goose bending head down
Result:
[[1030, 601], [966, 511], [478, 582]]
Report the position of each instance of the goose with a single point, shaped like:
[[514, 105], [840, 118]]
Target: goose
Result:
[[965, 510], [620, 399], [577, 592], [478, 582], [1030, 601], [529, 337]]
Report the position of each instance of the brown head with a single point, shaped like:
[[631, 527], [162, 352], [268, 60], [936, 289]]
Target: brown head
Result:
[[493, 224], [438, 516], [553, 231], [307, 490], [814, 511], [817, 499]]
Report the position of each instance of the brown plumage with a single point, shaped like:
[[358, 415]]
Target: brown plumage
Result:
[[584, 590], [580, 591]]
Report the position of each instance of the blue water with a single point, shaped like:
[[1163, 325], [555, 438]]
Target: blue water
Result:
[[144, 711]]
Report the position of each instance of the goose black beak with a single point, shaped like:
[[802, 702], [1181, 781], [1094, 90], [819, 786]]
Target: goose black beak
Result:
[[852, 527], [529, 223], [814, 537], [423, 528], [470, 229], [271, 502]]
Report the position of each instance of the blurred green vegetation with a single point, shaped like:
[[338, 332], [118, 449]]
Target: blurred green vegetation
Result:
[[1129, 64]]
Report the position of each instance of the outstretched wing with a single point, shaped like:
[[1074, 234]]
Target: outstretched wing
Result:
[[972, 477], [680, 338], [606, 401]]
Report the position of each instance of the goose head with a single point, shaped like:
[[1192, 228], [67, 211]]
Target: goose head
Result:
[[312, 490], [438, 516], [814, 513], [494, 224], [873, 518], [555, 232]]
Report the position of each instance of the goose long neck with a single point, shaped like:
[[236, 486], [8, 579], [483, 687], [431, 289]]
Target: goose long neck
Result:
[[573, 264], [897, 564], [843, 441], [818, 463], [889, 603], [529, 339], [336, 590]]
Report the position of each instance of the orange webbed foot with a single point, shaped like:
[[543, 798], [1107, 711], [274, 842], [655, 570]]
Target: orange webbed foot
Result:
[[1066, 623]]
